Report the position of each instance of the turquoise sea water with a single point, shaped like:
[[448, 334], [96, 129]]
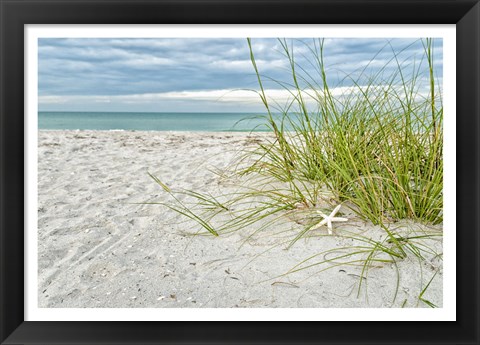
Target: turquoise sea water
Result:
[[215, 122]]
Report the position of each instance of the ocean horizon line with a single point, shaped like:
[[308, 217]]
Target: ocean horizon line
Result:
[[155, 112], [154, 121]]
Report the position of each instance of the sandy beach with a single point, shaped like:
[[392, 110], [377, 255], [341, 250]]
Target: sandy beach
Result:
[[99, 247]]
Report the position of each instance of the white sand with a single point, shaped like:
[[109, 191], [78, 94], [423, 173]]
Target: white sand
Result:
[[99, 249]]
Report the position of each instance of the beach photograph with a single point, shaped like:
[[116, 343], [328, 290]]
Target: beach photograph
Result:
[[255, 172]]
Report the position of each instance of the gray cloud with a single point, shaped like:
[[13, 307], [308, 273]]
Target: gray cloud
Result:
[[131, 66]]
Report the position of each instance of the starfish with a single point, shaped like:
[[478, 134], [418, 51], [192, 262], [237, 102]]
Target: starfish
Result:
[[329, 219]]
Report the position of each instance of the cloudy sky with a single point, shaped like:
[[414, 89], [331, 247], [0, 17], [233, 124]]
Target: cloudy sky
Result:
[[196, 75]]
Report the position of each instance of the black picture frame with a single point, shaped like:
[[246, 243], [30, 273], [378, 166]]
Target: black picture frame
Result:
[[17, 13]]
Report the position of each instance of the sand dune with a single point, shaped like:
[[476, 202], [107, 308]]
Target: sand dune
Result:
[[98, 248]]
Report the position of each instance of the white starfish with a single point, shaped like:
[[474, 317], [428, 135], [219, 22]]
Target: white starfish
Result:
[[329, 219]]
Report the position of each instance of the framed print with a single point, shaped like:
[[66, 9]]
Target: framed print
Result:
[[165, 163]]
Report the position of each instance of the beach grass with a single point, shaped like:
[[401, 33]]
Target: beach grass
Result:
[[375, 147]]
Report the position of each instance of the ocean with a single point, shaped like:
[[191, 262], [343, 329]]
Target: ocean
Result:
[[214, 122]]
